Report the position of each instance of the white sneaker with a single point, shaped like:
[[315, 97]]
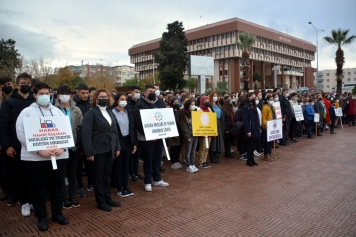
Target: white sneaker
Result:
[[256, 153], [26, 209], [148, 187], [160, 183], [179, 165], [176, 166], [195, 168], [66, 181], [190, 169], [231, 151]]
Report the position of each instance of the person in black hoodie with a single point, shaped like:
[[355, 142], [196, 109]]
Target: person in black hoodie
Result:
[[82, 101], [152, 150], [101, 145], [128, 142], [286, 110], [134, 158], [20, 99]]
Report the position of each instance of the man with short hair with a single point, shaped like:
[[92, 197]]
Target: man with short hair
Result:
[[286, 115], [134, 158], [152, 150], [41, 175], [67, 106], [83, 103], [16, 179]]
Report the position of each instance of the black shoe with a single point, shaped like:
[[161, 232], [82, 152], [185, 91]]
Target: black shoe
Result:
[[294, 141], [140, 176], [3, 197], [60, 219], [162, 169], [134, 178], [129, 192], [42, 224], [67, 204], [112, 203], [13, 199], [283, 143], [251, 165], [254, 163], [104, 207], [123, 193], [320, 134], [229, 155], [74, 202]]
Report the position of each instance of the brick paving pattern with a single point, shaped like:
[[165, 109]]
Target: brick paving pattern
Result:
[[309, 191]]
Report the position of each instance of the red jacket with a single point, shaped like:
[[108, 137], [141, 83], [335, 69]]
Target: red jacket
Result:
[[327, 105], [352, 107]]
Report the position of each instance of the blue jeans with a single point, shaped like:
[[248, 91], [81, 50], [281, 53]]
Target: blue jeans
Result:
[[190, 148], [152, 156], [310, 126]]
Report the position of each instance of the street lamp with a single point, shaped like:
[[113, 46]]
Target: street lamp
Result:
[[317, 55]]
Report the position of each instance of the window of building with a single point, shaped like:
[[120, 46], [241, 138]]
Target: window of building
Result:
[[348, 73], [228, 35], [327, 74], [327, 86], [222, 36], [354, 79], [327, 80], [355, 72], [215, 37], [233, 35], [348, 79], [231, 47], [226, 48], [226, 61]]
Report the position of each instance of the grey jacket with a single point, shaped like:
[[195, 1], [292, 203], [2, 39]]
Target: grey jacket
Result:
[[319, 108], [77, 118]]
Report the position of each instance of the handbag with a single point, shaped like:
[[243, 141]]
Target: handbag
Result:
[[237, 129]]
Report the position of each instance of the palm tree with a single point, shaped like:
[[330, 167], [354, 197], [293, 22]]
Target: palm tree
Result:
[[246, 40], [339, 37]]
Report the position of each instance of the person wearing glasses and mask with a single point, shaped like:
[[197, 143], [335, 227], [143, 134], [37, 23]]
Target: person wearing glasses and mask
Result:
[[101, 145], [16, 179]]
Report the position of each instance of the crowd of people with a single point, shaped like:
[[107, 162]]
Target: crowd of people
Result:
[[110, 141]]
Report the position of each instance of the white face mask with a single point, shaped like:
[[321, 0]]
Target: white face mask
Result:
[[193, 96], [276, 99], [287, 94], [215, 98], [257, 102], [260, 97], [136, 96], [271, 102], [122, 104], [157, 92], [192, 107], [337, 101], [164, 99], [64, 98], [301, 104], [43, 100]]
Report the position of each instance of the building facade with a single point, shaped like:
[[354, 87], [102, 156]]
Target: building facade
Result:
[[89, 70], [327, 79], [123, 73], [273, 55]]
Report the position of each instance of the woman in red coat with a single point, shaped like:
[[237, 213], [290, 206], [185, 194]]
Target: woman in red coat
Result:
[[327, 105], [352, 110]]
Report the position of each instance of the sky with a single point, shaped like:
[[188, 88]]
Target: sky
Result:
[[69, 32]]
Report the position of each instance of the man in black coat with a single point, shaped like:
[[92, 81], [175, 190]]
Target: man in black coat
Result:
[[152, 150], [134, 158], [11, 108], [83, 103], [286, 110]]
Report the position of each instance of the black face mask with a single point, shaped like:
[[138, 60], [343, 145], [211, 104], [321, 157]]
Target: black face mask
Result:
[[7, 89], [152, 96], [103, 102], [25, 89], [176, 106], [207, 104]]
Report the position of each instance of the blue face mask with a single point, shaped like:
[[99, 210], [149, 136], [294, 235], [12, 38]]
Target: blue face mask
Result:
[[43, 100]]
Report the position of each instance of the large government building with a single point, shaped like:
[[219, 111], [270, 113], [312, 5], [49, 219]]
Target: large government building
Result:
[[282, 60]]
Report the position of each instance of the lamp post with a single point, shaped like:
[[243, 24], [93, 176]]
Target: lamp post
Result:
[[317, 55]]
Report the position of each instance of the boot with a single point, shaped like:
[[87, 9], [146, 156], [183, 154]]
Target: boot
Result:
[[211, 156], [216, 158], [268, 158], [350, 124]]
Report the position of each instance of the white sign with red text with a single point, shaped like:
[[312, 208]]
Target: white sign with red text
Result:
[[277, 109], [43, 133]]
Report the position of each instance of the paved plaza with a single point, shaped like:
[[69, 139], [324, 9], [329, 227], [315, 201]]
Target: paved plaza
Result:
[[309, 191]]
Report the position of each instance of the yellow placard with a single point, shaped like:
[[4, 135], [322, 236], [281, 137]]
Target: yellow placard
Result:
[[204, 124]]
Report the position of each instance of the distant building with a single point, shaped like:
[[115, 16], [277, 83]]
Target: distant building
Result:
[[289, 56], [123, 73], [327, 79], [89, 70]]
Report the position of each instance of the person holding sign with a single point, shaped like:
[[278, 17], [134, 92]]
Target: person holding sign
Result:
[[252, 127], [268, 113], [41, 174], [151, 150], [309, 111], [101, 145], [204, 142]]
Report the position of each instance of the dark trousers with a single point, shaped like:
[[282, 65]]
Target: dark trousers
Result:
[[42, 177], [102, 168], [292, 128], [267, 146], [227, 143], [241, 141], [332, 125], [120, 172], [16, 177], [174, 152], [286, 125], [310, 126], [89, 170], [72, 175], [250, 147], [152, 155], [134, 161]]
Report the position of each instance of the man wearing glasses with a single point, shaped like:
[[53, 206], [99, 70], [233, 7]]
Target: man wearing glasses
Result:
[[15, 174]]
